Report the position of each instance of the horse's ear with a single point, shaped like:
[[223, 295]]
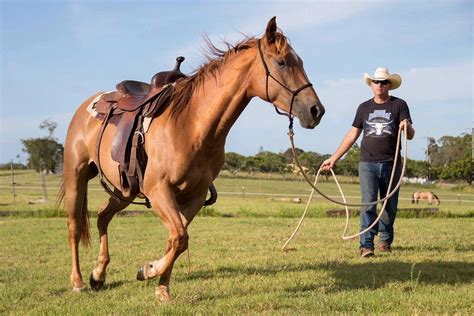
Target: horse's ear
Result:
[[271, 30]]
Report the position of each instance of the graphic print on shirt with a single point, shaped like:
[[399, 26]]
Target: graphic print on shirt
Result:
[[379, 124]]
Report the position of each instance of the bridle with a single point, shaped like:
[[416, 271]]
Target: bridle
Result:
[[294, 93]]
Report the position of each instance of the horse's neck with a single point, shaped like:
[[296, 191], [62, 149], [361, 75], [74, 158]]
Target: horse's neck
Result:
[[220, 100]]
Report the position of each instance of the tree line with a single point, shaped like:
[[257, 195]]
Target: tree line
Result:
[[449, 158]]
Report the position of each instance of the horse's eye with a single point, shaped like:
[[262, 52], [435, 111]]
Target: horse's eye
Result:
[[281, 63]]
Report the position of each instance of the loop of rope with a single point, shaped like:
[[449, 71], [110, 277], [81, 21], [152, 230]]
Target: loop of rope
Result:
[[385, 200], [295, 156]]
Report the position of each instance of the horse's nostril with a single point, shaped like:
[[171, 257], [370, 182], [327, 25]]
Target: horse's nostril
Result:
[[314, 111]]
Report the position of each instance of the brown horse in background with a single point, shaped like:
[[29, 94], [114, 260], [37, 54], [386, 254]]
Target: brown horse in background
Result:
[[419, 195], [184, 145]]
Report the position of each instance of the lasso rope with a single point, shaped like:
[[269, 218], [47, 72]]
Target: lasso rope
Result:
[[344, 203]]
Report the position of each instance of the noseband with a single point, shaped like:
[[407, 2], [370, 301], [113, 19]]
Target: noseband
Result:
[[294, 93]]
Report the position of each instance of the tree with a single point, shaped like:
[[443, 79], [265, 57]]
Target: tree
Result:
[[49, 125], [45, 153], [270, 162], [234, 162], [288, 154], [451, 157], [417, 168], [311, 160], [448, 149], [461, 169], [349, 165], [15, 165], [252, 163]]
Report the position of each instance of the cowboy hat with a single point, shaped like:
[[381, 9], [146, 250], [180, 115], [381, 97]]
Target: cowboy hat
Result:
[[384, 74]]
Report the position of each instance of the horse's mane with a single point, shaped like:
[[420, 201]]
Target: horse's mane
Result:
[[216, 59]]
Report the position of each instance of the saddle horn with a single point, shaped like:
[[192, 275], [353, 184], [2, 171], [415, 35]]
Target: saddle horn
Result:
[[165, 77], [179, 61]]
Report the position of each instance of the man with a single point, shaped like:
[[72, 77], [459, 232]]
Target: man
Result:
[[379, 119]]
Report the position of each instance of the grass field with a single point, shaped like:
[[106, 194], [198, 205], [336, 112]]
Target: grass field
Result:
[[237, 267]]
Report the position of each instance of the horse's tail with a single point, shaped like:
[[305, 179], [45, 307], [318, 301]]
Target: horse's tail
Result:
[[84, 226], [84, 221], [437, 198], [413, 198]]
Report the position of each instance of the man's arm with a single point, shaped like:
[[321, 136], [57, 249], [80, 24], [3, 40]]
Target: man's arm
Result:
[[346, 144]]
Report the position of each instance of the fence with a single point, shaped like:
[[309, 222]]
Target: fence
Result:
[[38, 187]]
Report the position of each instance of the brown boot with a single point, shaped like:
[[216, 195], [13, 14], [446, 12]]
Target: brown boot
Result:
[[384, 248], [366, 252]]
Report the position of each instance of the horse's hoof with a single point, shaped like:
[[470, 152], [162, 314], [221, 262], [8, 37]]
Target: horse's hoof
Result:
[[141, 275], [162, 294], [95, 285]]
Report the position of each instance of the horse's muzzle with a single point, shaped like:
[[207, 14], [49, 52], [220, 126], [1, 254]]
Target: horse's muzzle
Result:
[[317, 111]]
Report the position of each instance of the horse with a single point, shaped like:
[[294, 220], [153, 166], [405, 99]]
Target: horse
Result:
[[184, 145], [430, 196]]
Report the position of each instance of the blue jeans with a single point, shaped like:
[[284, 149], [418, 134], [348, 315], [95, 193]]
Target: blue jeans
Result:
[[374, 178]]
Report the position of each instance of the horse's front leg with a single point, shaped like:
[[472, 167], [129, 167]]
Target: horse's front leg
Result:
[[164, 204], [187, 212], [104, 216]]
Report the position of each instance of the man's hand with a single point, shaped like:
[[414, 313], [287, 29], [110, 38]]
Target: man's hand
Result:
[[328, 164], [403, 123], [410, 130]]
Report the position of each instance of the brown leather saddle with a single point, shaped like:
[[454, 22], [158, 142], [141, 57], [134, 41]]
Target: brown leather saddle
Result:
[[127, 108]]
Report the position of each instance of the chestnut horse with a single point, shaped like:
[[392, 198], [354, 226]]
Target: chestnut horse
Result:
[[184, 145], [430, 196]]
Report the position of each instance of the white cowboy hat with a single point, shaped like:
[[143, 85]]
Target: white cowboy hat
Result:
[[384, 74]]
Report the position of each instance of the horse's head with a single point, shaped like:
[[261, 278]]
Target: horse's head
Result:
[[286, 84]]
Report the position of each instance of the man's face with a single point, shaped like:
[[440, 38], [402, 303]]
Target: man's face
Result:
[[380, 87]]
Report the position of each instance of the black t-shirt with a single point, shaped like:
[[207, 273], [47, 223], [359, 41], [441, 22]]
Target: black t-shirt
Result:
[[380, 124]]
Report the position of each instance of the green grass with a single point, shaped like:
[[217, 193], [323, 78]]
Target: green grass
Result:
[[237, 267]]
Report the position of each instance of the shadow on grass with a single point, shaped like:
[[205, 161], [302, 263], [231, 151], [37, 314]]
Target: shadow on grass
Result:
[[350, 276], [459, 248], [375, 275], [113, 285]]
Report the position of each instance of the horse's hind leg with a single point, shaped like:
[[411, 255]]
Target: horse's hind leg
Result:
[[75, 186], [105, 215]]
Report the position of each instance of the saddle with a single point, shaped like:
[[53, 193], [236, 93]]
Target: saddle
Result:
[[131, 107]]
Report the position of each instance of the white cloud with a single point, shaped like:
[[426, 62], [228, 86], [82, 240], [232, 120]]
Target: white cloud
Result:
[[291, 17], [442, 83], [420, 85], [302, 14]]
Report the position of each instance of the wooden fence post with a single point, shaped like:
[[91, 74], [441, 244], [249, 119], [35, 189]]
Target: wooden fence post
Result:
[[43, 184], [13, 181]]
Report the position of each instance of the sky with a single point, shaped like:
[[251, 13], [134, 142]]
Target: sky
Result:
[[55, 54]]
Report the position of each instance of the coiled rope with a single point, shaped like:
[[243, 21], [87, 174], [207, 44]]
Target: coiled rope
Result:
[[344, 203]]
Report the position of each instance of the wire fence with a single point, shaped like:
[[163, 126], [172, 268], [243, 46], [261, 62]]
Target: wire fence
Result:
[[31, 185]]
